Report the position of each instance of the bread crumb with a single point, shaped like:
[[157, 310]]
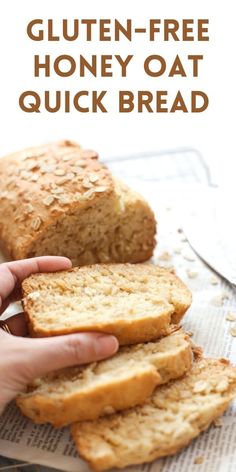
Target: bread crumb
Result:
[[199, 460], [165, 256], [230, 316], [192, 274], [188, 257], [220, 298], [214, 280], [177, 250], [189, 333], [233, 332], [218, 422]]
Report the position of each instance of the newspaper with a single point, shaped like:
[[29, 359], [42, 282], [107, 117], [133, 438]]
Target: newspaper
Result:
[[213, 299]]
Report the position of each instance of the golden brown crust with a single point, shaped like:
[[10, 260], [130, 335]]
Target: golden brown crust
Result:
[[174, 302], [176, 413], [47, 194], [40, 184], [62, 399]]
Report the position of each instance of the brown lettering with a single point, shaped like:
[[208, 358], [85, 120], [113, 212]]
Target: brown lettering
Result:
[[202, 30], [170, 28], [126, 101], [75, 33], [177, 68], [178, 104], [57, 105], [89, 24], [154, 29], [187, 29], [97, 101], [51, 36], [195, 59], [32, 107], [123, 63], [194, 107], [103, 30], [86, 65], [155, 57], [126, 31], [144, 100], [72, 65], [30, 33], [43, 65]]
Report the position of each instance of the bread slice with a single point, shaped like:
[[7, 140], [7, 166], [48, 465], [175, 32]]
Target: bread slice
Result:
[[123, 381], [136, 303], [58, 199], [176, 414]]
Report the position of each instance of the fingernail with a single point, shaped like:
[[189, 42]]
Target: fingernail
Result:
[[106, 345]]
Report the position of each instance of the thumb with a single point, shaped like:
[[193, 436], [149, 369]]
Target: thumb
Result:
[[47, 354]]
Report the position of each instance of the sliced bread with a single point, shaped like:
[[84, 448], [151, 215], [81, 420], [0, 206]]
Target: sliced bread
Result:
[[136, 303], [123, 381], [176, 414]]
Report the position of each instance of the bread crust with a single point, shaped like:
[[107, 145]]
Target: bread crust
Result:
[[22, 199], [97, 446], [176, 301], [42, 186], [130, 388]]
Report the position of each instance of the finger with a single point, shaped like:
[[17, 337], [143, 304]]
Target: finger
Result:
[[17, 325], [45, 355], [13, 273]]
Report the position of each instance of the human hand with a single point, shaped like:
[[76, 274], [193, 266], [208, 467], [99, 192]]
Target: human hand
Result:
[[23, 359]]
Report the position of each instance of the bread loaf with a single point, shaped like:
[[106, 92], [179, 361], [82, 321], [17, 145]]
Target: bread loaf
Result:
[[135, 302], [123, 381], [58, 199], [175, 414]]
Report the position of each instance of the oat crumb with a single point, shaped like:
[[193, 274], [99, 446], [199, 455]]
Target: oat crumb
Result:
[[165, 256], [219, 299], [199, 460], [192, 274], [188, 257], [218, 422], [230, 316], [233, 332], [177, 250], [214, 280]]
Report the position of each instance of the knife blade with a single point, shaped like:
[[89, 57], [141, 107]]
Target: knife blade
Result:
[[209, 225]]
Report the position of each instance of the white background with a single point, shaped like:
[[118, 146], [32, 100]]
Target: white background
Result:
[[212, 132]]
